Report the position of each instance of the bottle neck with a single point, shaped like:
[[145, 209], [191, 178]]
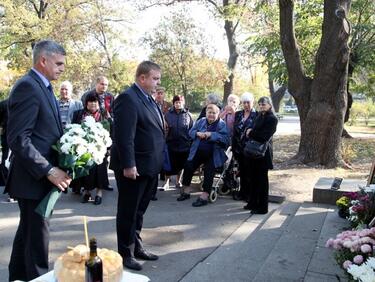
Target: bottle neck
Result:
[[93, 252]]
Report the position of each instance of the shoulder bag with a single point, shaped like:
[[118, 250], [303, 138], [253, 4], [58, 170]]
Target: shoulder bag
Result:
[[254, 149]]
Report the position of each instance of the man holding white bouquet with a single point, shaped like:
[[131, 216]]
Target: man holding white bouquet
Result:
[[137, 159], [34, 125]]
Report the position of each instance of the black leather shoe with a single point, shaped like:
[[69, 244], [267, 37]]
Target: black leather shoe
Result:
[[183, 197], [145, 255], [247, 207], [108, 188], [131, 263], [98, 200], [258, 212], [199, 202], [85, 198]]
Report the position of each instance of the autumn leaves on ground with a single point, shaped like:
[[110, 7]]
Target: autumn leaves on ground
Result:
[[296, 182]]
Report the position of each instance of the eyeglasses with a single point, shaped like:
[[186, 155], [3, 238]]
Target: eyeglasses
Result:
[[262, 104]]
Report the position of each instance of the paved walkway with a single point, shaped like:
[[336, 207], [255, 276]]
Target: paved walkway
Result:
[[218, 242]]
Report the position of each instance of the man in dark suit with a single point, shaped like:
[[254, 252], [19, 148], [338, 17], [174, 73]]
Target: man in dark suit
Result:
[[4, 143], [136, 158], [33, 127]]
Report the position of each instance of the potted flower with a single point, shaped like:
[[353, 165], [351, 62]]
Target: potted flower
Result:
[[343, 206]]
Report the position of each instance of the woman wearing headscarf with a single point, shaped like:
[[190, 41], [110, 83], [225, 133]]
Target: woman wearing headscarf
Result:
[[98, 176], [264, 127]]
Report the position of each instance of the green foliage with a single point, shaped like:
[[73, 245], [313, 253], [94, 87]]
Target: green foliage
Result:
[[362, 44], [364, 111], [180, 48], [265, 38], [85, 28]]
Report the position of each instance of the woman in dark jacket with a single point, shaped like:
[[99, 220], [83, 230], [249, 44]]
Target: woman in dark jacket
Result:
[[98, 176], [242, 120], [264, 127], [179, 122]]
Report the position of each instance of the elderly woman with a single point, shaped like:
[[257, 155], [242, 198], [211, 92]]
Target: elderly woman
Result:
[[210, 139], [262, 131], [67, 105], [243, 119], [98, 176], [179, 122], [211, 98], [227, 115]]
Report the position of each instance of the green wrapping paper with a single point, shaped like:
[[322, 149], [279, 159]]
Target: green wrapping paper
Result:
[[46, 206]]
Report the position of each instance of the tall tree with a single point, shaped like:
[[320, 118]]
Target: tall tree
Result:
[[308, 21], [85, 27], [180, 47], [322, 99], [232, 12]]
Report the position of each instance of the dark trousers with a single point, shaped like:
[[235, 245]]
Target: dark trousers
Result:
[[205, 158], [245, 174], [259, 185], [133, 199], [29, 258], [4, 148]]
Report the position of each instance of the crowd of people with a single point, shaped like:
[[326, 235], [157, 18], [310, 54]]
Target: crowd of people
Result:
[[151, 137]]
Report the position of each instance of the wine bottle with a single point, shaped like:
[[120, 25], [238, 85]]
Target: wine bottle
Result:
[[94, 265]]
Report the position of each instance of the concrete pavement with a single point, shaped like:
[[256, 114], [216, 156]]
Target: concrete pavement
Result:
[[218, 242]]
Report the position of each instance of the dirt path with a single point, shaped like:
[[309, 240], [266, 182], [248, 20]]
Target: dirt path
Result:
[[296, 182]]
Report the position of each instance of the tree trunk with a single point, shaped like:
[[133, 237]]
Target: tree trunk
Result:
[[276, 96], [232, 60], [352, 63], [321, 101]]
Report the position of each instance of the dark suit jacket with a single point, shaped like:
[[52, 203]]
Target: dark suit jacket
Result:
[[4, 115], [138, 134], [33, 127]]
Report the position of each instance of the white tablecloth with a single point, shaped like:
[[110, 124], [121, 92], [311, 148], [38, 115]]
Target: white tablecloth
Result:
[[126, 277]]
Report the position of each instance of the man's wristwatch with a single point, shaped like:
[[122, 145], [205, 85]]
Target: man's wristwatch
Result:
[[52, 172]]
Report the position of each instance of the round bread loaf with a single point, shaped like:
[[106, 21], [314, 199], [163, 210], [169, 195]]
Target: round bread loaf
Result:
[[70, 266]]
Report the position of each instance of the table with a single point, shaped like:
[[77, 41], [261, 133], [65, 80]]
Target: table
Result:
[[126, 277]]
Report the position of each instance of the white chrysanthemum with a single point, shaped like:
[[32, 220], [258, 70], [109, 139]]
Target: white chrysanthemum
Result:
[[65, 148], [89, 121], [371, 262], [81, 150]]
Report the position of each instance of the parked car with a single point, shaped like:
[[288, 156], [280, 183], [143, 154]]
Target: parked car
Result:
[[290, 109]]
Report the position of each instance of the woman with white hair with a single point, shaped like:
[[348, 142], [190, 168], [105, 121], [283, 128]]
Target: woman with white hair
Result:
[[243, 119], [212, 98], [67, 105]]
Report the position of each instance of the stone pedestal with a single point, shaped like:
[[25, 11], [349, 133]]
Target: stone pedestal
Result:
[[323, 193]]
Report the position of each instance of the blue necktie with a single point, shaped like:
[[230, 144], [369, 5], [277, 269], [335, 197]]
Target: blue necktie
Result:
[[54, 101], [155, 107]]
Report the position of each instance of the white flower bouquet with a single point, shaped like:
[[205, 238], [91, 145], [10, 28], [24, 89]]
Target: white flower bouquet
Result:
[[80, 148], [364, 272]]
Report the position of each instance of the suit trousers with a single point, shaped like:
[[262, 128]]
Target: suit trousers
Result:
[[29, 258], [133, 199]]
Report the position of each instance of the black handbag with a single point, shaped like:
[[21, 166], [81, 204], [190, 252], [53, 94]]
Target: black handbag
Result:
[[254, 149]]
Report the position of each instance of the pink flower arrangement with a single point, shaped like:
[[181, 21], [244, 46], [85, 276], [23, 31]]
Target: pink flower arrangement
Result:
[[366, 248], [353, 246], [358, 259], [346, 264]]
